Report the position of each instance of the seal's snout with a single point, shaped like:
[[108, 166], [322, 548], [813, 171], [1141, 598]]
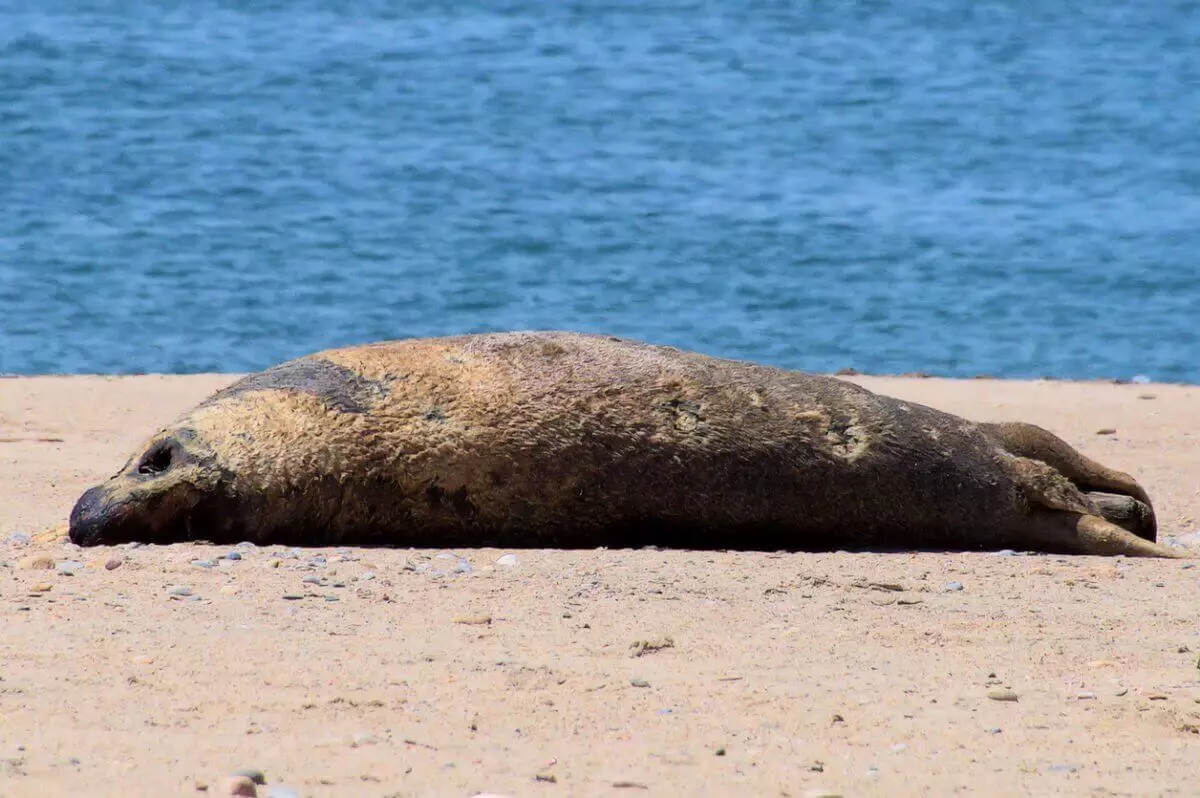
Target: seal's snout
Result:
[[95, 518]]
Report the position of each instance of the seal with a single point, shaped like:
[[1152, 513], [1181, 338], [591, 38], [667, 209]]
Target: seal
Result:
[[570, 440]]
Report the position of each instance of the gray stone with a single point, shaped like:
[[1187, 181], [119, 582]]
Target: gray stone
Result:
[[254, 774]]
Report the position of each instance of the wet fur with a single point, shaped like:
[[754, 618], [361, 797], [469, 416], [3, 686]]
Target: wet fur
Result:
[[561, 439]]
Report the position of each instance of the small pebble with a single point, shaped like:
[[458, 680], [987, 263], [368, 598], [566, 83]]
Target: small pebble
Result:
[[241, 786], [1085, 697], [1002, 695], [1006, 553], [36, 562], [179, 591], [954, 586], [508, 561], [472, 620], [41, 587], [549, 778], [113, 564], [462, 567], [1121, 691], [203, 563], [363, 738], [254, 774], [1106, 431], [993, 730], [445, 555], [69, 567], [637, 681], [233, 555], [1063, 768], [311, 580], [20, 538], [292, 596]]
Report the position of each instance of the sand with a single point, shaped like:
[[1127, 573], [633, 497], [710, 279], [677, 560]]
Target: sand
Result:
[[610, 672]]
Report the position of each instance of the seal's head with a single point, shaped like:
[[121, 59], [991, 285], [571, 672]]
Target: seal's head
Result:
[[266, 459], [170, 490]]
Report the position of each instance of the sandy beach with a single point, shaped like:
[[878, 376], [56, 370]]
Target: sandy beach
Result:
[[155, 671]]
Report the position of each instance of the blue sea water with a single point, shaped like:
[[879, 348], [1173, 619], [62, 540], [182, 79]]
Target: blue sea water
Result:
[[1008, 187]]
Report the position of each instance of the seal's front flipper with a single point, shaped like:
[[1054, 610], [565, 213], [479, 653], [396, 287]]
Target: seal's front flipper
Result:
[[1080, 533]]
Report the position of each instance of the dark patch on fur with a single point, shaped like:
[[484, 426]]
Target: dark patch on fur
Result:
[[438, 498], [337, 386], [461, 502]]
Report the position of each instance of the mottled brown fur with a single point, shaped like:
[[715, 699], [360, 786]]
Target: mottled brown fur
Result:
[[561, 439]]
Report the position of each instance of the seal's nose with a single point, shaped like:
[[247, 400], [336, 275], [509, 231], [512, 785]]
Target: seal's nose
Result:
[[92, 518]]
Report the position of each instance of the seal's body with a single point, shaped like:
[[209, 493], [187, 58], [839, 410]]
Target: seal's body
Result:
[[562, 439]]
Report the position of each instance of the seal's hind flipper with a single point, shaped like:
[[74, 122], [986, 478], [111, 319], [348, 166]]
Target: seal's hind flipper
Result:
[[1079, 533], [1126, 512], [1033, 442]]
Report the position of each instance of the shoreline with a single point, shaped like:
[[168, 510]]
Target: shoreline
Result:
[[844, 373]]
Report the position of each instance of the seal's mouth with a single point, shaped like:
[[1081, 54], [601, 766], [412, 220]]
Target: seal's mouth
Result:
[[96, 520], [118, 512]]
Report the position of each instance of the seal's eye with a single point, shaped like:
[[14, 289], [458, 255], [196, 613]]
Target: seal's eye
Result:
[[157, 459]]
